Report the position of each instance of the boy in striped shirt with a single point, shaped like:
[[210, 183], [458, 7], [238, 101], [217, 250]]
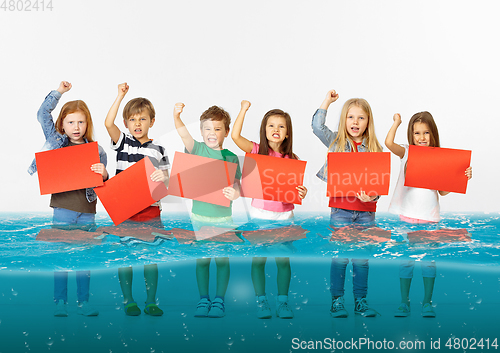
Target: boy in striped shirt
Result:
[[131, 147]]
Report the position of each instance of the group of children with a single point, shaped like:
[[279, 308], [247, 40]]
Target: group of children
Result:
[[355, 133]]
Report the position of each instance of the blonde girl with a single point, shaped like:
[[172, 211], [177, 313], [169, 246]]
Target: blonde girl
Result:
[[355, 133]]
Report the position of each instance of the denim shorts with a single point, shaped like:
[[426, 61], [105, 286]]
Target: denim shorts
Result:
[[342, 217], [67, 219]]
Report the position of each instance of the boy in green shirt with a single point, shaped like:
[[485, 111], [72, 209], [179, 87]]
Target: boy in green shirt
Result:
[[214, 128]]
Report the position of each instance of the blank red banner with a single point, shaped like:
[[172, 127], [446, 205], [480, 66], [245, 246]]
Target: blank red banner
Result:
[[437, 168], [271, 178], [201, 178], [131, 191], [68, 168], [349, 173]]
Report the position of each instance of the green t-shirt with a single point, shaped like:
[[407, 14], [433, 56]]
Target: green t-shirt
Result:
[[204, 208]]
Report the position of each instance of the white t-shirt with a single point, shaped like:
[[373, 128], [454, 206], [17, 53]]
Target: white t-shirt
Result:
[[414, 202]]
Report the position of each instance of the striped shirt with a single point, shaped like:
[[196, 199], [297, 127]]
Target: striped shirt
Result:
[[130, 150]]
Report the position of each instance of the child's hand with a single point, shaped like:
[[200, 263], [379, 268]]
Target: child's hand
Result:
[[158, 176], [397, 119], [331, 96], [122, 89], [302, 191], [245, 105], [64, 87], [98, 168], [468, 173], [362, 196], [178, 108], [230, 193]]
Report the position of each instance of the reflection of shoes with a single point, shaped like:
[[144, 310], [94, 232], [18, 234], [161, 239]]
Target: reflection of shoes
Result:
[[153, 309], [131, 309], [361, 308], [283, 310], [61, 309], [402, 311], [202, 308], [85, 309], [217, 308], [337, 310], [263, 308], [428, 311]]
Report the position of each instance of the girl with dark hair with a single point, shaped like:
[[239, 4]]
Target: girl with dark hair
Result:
[[276, 141]]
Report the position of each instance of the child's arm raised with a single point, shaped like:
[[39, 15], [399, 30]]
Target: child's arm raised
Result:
[[113, 130], [318, 122], [183, 132], [44, 114], [64, 87], [331, 96], [244, 144], [389, 140]]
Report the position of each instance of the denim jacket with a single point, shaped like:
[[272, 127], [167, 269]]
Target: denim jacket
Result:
[[327, 137], [54, 139]]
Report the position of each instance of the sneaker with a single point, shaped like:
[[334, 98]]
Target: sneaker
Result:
[[61, 309], [402, 311], [283, 310], [217, 309], [86, 309], [263, 308], [153, 309], [337, 310], [131, 309], [428, 311], [203, 308], [361, 308]]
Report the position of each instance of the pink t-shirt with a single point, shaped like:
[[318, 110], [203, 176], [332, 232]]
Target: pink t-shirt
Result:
[[274, 206]]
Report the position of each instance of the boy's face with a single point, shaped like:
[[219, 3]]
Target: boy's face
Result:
[[139, 124], [214, 133]]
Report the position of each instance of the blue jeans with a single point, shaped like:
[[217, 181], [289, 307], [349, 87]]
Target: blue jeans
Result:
[[67, 219], [340, 217]]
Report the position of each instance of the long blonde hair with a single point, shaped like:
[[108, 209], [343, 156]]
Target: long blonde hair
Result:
[[343, 138]]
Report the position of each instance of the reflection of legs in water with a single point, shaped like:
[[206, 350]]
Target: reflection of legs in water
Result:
[[259, 275], [337, 276], [337, 281], [406, 275], [283, 277], [284, 274], [151, 280], [203, 275], [205, 307], [359, 278], [125, 276], [223, 272]]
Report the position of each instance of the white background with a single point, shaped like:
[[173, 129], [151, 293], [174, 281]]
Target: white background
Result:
[[406, 57]]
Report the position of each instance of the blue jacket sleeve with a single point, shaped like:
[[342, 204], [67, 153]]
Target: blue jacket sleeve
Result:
[[320, 129]]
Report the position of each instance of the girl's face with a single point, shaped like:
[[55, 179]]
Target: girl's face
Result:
[[421, 134], [276, 130], [356, 123], [74, 126]]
